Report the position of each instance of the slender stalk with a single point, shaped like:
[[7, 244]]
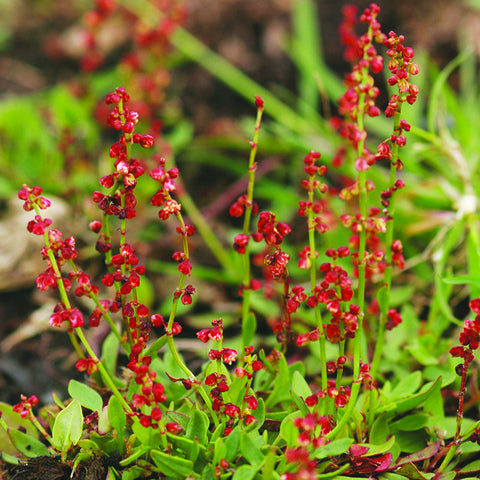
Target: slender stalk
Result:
[[103, 372], [247, 218], [78, 331], [453, 446], [170, 341], [362, 180], [313, 283], [380, 339], [61, 289]]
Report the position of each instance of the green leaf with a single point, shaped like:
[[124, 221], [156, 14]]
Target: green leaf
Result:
[[420, 455], [380, 431], [337, 447], [412, 401], [244, 472], [68, 426], [147, 436], [249, 329], [132, 473], [86, 395], [300, 385], [446, 476], [410, 423], [29, 446], [469, 447], [420, 351], [411, 442], [471, 467], [451, 426], [237, 388], [219, 451], [288, 431], [378, 449], [232, 442], [15, 422], [250, 450], [117, 416], [392, 476], [462, 280], [172, 466], [110, 352], [411, 471], [179, 418], [197, 427], [187, 445], [259, 415], [208, 473], [407, 385], [104, 425], [282, 384], [299, 403]]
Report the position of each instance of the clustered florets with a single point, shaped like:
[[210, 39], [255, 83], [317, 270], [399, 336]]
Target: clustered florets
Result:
[[24, 408], [218, 382], [312, 429], [121, 201], [470, 335], [125, 271]]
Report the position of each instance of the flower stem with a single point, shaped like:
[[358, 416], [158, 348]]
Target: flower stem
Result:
[[252, 167]]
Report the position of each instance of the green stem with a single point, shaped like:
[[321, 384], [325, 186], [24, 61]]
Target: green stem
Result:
[[170, 341], [246, 221], [363, 194], [313, 282], [380, 340], [63, 292], [104, 373]]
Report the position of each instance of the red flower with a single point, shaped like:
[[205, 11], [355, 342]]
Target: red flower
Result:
[[88, 365]]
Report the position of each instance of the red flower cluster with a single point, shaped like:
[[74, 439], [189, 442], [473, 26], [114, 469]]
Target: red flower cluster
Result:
[[373, 224], [270, 230], [24, 408], [401, 67], [295, 298], [88, 365], [220, 385], [340, 395], [311, 206], [126, 272], [63, 251], [185, 294], [215, 333], [61, 314], [470, 336], [312, 430], [346, 30], [277, 262], [237, 207], [163, 198], [394, 319], [121, 201], [32, 196], [359, 82]]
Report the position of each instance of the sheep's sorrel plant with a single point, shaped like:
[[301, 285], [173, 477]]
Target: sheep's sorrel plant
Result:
[[316, 401]]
